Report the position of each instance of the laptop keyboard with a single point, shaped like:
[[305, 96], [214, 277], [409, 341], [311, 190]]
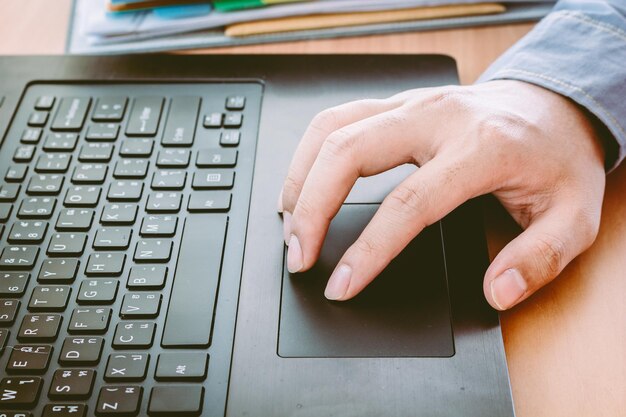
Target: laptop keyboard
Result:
[[123, 211]]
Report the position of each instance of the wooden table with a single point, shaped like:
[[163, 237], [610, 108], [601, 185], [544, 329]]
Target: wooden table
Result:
[[566, 346]]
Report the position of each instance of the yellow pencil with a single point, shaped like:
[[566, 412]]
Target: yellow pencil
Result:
[[322, 21]]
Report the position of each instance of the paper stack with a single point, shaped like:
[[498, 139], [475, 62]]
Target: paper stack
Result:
[[101, 26]]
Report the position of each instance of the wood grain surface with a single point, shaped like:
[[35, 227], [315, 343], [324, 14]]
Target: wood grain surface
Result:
[[566, 346]]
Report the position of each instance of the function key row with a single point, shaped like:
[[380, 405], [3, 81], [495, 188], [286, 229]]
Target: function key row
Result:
[[144, 118]]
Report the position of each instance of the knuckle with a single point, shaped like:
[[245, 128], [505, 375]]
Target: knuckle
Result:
[[504, 137], [406, 202], [366, 246], [448, 97], [338, 143], [325, 121], [504, 127], [551, 254]]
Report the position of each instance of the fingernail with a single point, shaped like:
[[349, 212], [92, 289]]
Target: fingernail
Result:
[[338, 283], [508, 288], [279, 205], [294, 255], [286, 227]]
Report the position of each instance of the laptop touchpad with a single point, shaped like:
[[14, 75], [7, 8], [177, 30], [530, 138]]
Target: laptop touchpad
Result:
[[405, 312]]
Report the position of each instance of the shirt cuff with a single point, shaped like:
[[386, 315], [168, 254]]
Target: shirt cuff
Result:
[[579, 53]]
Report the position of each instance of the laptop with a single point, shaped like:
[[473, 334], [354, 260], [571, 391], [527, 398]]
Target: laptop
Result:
[[142, 266]]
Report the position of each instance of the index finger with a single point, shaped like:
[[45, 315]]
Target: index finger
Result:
[[322, 125]]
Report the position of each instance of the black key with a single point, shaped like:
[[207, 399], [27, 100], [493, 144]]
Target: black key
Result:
[[176, 400], [49, 298], [37, 208], [97, 291], [9, 192], [131, 168], [75, 219], [8, 310], [24, 153], [230, 138], [44, 103], [45, 184], [39, 328], [71, 113], [5, 211], [89, 173], [138, 305], [235, 102], [173, 158], [213, 120], [64, 410], [119, 214], [164, 202], [153, 250], [96, 152], [60, 142], [125, 190], [67, 244], [194, 290], [28, 231], [112, 238], [38, 118], [169, 180], [16, 173], [109, 109], [147, 277], [105, 263], [233, 120], [4, 337], [31, 135], [53, 162], [82, 196], [29, 359], [137, 147], [77, 351], [13, 284], [206, 179], [58, 270], [158, 226], [215, 158], [127, 367], [180, 128], [145, 114], [102, 132], [119, 400], [181, 366], [71, 384], [89, 320], [134, 334], [209, 201], [20, 392], [19, 257]]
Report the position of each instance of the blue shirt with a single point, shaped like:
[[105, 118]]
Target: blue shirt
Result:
[[579, 51]]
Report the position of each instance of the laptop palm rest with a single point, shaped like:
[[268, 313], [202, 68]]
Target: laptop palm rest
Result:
[[404, 313]]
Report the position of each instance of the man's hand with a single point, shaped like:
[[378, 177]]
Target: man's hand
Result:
[[535, 150]]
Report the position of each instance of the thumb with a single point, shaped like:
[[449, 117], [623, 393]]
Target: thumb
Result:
[[538, 255]]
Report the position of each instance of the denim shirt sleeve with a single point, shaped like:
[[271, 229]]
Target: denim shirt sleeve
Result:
[[579, 51]]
